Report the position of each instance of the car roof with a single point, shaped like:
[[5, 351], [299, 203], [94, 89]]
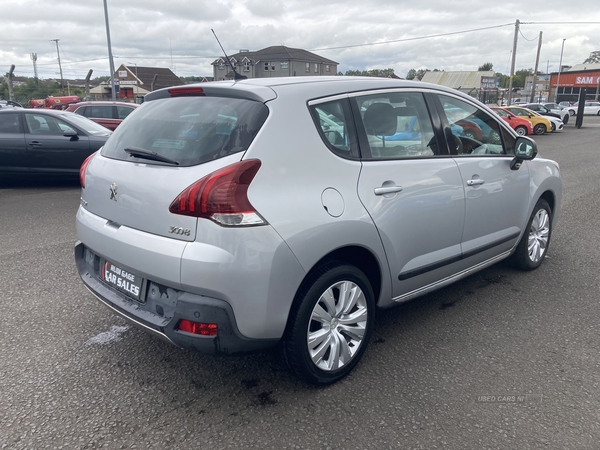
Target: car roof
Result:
[[265, 89], [104, 103]]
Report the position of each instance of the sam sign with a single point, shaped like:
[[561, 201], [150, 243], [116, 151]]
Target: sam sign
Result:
[[489, 83]]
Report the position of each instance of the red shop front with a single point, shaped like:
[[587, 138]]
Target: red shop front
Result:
[[571, 84]]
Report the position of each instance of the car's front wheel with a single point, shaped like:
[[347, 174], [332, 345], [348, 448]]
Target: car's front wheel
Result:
[[521, 130], [540, 128], [534, 243], [330, 324], [566, 119], [571, 112]]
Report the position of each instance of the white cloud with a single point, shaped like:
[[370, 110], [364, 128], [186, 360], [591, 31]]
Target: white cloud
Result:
[[177, 33]]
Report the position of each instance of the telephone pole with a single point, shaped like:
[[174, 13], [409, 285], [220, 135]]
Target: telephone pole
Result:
[[512, 65], [110, 56], [535, 71], [59, 66]]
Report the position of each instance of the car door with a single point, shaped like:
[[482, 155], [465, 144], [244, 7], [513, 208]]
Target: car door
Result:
[[49, 148], [13, 154], [410, 187], [496, 196]]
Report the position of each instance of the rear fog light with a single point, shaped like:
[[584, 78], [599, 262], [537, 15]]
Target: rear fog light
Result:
[[203, 329]]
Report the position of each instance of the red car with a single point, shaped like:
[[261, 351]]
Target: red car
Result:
[[107, 114], [522, 126]]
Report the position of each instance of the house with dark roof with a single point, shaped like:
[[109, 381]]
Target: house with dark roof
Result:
[[136, 81], [276, 61]]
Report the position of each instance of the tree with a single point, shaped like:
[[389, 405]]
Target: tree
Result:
[[485, 67], [594, 58], [519, 78], [503, 80], [384, 73], [418, 75]]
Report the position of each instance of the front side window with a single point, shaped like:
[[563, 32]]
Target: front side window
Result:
[[397, 125], [336, 127], [472, 131], [99, 112], [9, 123], [42, 124], [189, 130]]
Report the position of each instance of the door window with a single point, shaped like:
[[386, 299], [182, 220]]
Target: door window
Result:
[[9, 123], [123, 111], [397, 125], [100, 112], [470, 130]]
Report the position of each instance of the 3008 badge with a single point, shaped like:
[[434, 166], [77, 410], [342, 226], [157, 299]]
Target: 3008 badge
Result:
[[179, 230]]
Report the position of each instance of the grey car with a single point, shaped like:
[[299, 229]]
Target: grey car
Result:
[[46, 142], [233, 216]]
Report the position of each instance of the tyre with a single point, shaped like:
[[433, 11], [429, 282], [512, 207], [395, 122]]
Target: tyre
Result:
[[521, 130], [534, 243], [540, 128], [330, 324], [571, 112], [495, 137], [566, 118], [553, 127]]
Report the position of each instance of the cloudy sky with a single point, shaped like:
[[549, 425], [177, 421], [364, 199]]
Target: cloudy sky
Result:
[[433, 34]]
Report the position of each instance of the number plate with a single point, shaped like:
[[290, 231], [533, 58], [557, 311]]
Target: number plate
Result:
[[122, 280]]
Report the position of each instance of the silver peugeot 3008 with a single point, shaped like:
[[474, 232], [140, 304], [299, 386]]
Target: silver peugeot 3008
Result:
[[233, 216]]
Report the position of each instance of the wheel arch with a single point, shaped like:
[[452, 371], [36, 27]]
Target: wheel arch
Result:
[[354, 255]]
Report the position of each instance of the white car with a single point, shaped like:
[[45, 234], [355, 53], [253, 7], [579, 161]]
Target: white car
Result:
[[557, 124], [589, 109]]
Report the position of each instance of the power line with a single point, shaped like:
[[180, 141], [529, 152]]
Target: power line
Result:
[[413, 38]]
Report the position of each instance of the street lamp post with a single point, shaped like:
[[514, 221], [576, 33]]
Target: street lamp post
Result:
[[559, 68], [136, 81], [110, 56]]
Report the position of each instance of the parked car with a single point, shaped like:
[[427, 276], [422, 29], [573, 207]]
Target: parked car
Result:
[[547, 112], [202, 222], [46, 141], [589, 109], [9, 104], [540, 124], [562, 112], [107, 114], [522, 126]]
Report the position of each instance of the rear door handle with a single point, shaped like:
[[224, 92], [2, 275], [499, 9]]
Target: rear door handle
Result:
[[387, 190], [35, 143], [477, 182]]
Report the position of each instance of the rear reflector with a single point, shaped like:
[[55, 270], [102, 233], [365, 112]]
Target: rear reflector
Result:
[[203, 329], [183, 91]]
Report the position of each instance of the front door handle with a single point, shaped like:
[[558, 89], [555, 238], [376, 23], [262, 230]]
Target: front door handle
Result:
[[35, 143], [477, 182]]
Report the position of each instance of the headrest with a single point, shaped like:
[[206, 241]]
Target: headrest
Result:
[[380, 120]]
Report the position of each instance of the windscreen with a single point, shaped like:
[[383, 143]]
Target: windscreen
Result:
[[188, 130]]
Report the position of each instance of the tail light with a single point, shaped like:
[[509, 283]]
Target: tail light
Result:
[[222, 196], [83, 169]]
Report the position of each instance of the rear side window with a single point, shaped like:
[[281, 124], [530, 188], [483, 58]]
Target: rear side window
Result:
[[9, 123], [336, 127], [189, 130], [123, 111]]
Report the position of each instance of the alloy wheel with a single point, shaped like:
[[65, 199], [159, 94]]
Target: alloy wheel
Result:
[[539, 234], [337, 326]]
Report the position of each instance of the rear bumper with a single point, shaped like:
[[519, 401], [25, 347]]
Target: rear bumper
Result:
[[164, 307]]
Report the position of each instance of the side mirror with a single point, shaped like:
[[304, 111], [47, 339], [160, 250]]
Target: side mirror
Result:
[[525, 150], [70, 133]]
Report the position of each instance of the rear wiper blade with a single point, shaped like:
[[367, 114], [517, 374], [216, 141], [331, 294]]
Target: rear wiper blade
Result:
[[139, 152]]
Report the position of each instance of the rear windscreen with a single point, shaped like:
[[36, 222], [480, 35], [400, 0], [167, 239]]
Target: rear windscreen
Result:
[[188, 130]]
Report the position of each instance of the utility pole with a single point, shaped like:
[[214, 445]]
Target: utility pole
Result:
[[559, 70], [59, 66], [11, 94], [110, 56], [35, 73], [535, 71], [512, 65], [87, 84]]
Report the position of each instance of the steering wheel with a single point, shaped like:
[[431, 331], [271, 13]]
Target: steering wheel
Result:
[[458, 144]]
